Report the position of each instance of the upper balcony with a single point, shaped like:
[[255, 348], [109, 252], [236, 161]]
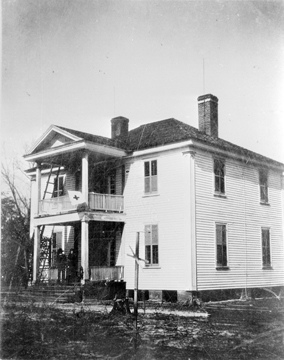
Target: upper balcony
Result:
[[66, 203]]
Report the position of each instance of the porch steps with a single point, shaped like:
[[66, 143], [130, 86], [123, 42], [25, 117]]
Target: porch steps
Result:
[[45, 293]]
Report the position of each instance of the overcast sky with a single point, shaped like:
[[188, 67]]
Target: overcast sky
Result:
[[79, 63]]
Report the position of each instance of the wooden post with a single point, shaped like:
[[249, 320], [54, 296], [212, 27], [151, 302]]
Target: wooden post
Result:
[[85, 178], [136, 278], [36, 252], [85, 248], [38, 190]]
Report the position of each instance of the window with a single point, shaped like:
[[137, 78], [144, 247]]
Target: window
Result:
[[58, 189], [265, 236], [151, 178], [221, 242], [263, 186], [219, 176], [112, 182], [151, 245]]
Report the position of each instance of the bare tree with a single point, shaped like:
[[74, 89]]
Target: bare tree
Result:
[[16, 245]]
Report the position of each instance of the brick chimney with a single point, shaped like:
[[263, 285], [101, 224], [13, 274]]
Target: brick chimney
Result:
[[119, 127], [208, 114]]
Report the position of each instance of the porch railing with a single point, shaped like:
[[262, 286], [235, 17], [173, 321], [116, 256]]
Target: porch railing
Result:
[[101, 202], [98, 273], [107, 273]]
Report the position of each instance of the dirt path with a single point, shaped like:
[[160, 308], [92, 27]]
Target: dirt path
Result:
[[232, 330]]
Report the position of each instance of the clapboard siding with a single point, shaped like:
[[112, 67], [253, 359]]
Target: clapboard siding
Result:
[[244, 215], [169, 208]]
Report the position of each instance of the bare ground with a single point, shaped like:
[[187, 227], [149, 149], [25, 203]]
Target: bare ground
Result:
[[232, 330]]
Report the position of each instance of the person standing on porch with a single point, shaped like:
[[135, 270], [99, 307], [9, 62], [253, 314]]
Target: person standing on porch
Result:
[[61, 265], [71, 266]]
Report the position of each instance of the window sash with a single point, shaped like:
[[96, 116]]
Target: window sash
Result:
[[58, 189], [112, 182], [219, 175], [221, 245], [151, 245], [263, 185], [150, 176], [266, 256]]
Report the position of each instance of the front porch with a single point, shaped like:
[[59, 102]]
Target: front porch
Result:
[[91, 251]]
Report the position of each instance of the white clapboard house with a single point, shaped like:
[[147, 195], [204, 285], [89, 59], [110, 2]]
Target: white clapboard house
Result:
[[209, 213]]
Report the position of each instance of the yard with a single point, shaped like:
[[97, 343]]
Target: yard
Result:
[[232, 330]]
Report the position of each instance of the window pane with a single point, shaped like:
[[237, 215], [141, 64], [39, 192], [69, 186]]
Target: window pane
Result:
[[219, 234], [222, 185], [147, 235], [154, 183], [112, 181], [154, 167], [147, 185], [146, 168], [219, 172], [155, 254], [263, 193], [155, 234], [219, 255], [221, 241], [148, 253], [266, 261], [224, 255]]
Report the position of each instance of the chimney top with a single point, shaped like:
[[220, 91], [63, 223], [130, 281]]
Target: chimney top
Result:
[[208, 114], [207, 97], [119, 127]]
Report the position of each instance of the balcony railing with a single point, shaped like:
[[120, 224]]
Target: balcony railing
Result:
[[106, 202], [100, 202], [56, 205]]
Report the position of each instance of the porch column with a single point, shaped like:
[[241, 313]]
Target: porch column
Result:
[[85, 248], [85, 177], [36, 252], [38, 188]]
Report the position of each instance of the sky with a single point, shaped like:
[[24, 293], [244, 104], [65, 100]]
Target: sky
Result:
[[80, 63]]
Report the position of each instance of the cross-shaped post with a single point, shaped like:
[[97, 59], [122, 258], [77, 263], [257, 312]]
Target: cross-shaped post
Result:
[[137, 259]]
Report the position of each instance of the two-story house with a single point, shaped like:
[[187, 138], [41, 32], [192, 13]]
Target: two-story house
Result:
[[209, 213]]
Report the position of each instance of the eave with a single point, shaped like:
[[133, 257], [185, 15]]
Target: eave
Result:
[[76, 146], [266, 162]]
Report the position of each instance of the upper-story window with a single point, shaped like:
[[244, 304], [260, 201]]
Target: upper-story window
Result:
[[58, 189], [112, 182], [263, 186], [151, 245], [150, 176], [219, 176], [265, 237]]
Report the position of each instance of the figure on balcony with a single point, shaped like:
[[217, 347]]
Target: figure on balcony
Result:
[[61, 261], [71, 266]]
